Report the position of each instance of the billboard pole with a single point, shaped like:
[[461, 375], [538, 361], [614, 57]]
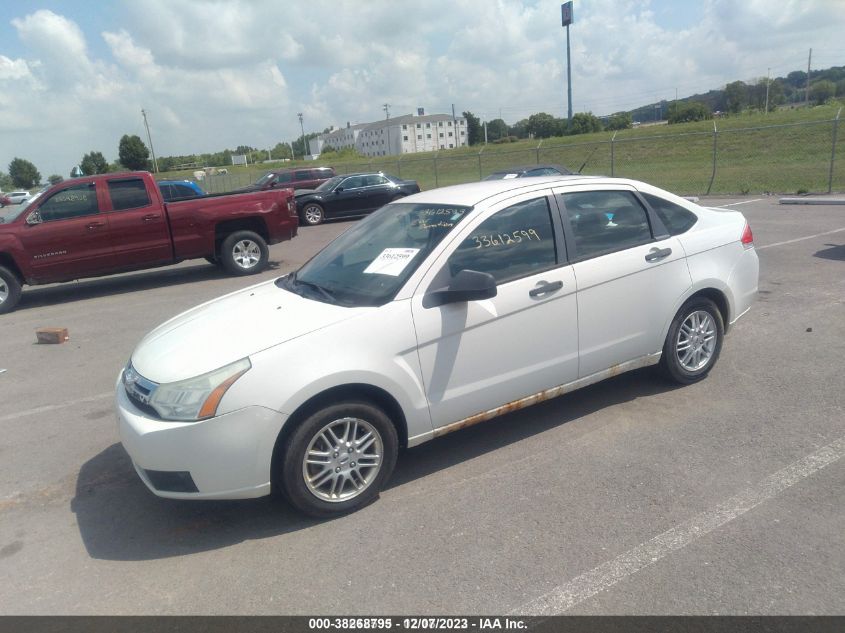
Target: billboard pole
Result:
[[566, 20]]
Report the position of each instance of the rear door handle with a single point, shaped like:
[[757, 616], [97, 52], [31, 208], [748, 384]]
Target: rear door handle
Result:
[[93, 226], [151, 217], [545, 288], [657, 253]]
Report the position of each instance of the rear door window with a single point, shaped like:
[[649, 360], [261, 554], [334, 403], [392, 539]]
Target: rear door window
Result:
[[606, 221], [128, 194]]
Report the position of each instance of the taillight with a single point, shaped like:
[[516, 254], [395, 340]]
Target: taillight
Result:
[[747, 238]]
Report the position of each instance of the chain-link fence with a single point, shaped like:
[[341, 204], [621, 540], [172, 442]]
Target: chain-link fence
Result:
[[791, 158]]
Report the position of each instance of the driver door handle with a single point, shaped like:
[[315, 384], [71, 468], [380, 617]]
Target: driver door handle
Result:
[[544, 288], [657, 253], [93, 226]]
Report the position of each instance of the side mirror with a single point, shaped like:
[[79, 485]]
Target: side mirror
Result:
[[468, 285], [34, 218]]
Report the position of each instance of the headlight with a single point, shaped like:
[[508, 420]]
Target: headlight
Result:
[[197, 398]]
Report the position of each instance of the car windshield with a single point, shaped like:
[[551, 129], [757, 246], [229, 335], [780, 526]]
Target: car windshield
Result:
[[10, 214], [330, 184], [367, 265]]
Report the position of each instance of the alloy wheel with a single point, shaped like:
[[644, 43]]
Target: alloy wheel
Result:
[[696, 340], [342, 459]]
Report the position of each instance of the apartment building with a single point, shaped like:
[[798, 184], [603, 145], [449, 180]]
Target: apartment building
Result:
[[400, 135]]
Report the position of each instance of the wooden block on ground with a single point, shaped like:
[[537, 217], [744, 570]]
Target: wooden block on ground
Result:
[[51, 334]]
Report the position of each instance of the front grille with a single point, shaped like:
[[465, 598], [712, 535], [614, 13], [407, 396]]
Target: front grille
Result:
[[139, 390]]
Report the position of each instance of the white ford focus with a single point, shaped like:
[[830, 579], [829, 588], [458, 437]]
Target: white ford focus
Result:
[[438, 311]]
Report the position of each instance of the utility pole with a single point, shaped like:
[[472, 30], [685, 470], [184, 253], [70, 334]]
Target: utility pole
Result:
[[485, 132], [301, 127], [150, 139], [768, 75], [566, 20], [807, 96], [386, 109]]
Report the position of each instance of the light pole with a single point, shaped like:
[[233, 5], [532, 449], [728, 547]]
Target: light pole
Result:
[[150, 139], [386, 109], [566, 20], [301, 127]]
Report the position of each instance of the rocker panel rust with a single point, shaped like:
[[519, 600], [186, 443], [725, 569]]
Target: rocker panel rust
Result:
[[548, 394]]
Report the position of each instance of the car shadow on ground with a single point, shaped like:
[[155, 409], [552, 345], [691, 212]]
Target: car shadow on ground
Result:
[[38, 296], [834, 251], [119, 519]]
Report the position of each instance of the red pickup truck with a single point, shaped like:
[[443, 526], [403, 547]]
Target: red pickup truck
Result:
[[99, 225]]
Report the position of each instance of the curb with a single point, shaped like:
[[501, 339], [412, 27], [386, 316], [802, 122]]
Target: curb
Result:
[[815, 200]]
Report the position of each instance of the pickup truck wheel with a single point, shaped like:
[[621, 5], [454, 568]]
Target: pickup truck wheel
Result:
[[244, 253], [313, 214], [10, 290], [338, 459]]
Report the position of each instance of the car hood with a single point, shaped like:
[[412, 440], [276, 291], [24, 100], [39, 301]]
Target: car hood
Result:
[[304, 192], [227, 329]]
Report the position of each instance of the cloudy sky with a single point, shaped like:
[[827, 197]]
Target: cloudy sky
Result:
[[74, 75]]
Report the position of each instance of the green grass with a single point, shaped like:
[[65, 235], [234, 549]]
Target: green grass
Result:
[[782, 152]]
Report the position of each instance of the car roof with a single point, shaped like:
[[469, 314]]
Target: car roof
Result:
[[287, 170], [473, 193]]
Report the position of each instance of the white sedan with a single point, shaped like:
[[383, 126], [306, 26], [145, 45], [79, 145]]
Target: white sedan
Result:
[[438, 311]]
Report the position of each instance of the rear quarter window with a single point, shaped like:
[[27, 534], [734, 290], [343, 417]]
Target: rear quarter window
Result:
[[675, 218]]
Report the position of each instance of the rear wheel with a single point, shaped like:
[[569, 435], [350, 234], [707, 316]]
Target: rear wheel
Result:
[[10, 290], [338, 459], [313, 214], [694, 342], [244, 253]]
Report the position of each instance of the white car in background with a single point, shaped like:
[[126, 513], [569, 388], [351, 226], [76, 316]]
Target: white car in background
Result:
[[438, 311], [17, 197]]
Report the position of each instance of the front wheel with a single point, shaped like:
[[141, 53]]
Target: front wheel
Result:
[[338, 459], [313, 214], [10, 290], [694, 342], [244, 253]]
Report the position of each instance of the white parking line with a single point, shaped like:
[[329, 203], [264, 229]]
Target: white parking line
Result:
[[800, 239], [53, 407], [575, 591], [734, 204]]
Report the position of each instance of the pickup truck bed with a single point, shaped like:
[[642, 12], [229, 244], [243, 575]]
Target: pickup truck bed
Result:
[[99, 225]]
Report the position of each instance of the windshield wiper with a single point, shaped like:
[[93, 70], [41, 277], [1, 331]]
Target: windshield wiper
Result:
[[326, 294]]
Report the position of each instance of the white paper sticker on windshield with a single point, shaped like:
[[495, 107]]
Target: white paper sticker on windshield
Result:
[[506, 176], [392, 261]]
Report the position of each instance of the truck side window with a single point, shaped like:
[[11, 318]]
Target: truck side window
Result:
[[73, 202], [128, 194]]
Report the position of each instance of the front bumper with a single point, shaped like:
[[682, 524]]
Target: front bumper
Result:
[[225, 457]]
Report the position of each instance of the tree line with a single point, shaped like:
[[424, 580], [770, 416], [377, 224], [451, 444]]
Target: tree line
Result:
[[132, 152]]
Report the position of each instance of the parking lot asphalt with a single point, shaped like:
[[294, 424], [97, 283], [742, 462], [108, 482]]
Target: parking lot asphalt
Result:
[[627, 497]]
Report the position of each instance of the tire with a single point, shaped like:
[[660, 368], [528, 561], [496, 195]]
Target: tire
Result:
[[694, 342], [313, 214], [10, 290], [347, 483], [243, 253]]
